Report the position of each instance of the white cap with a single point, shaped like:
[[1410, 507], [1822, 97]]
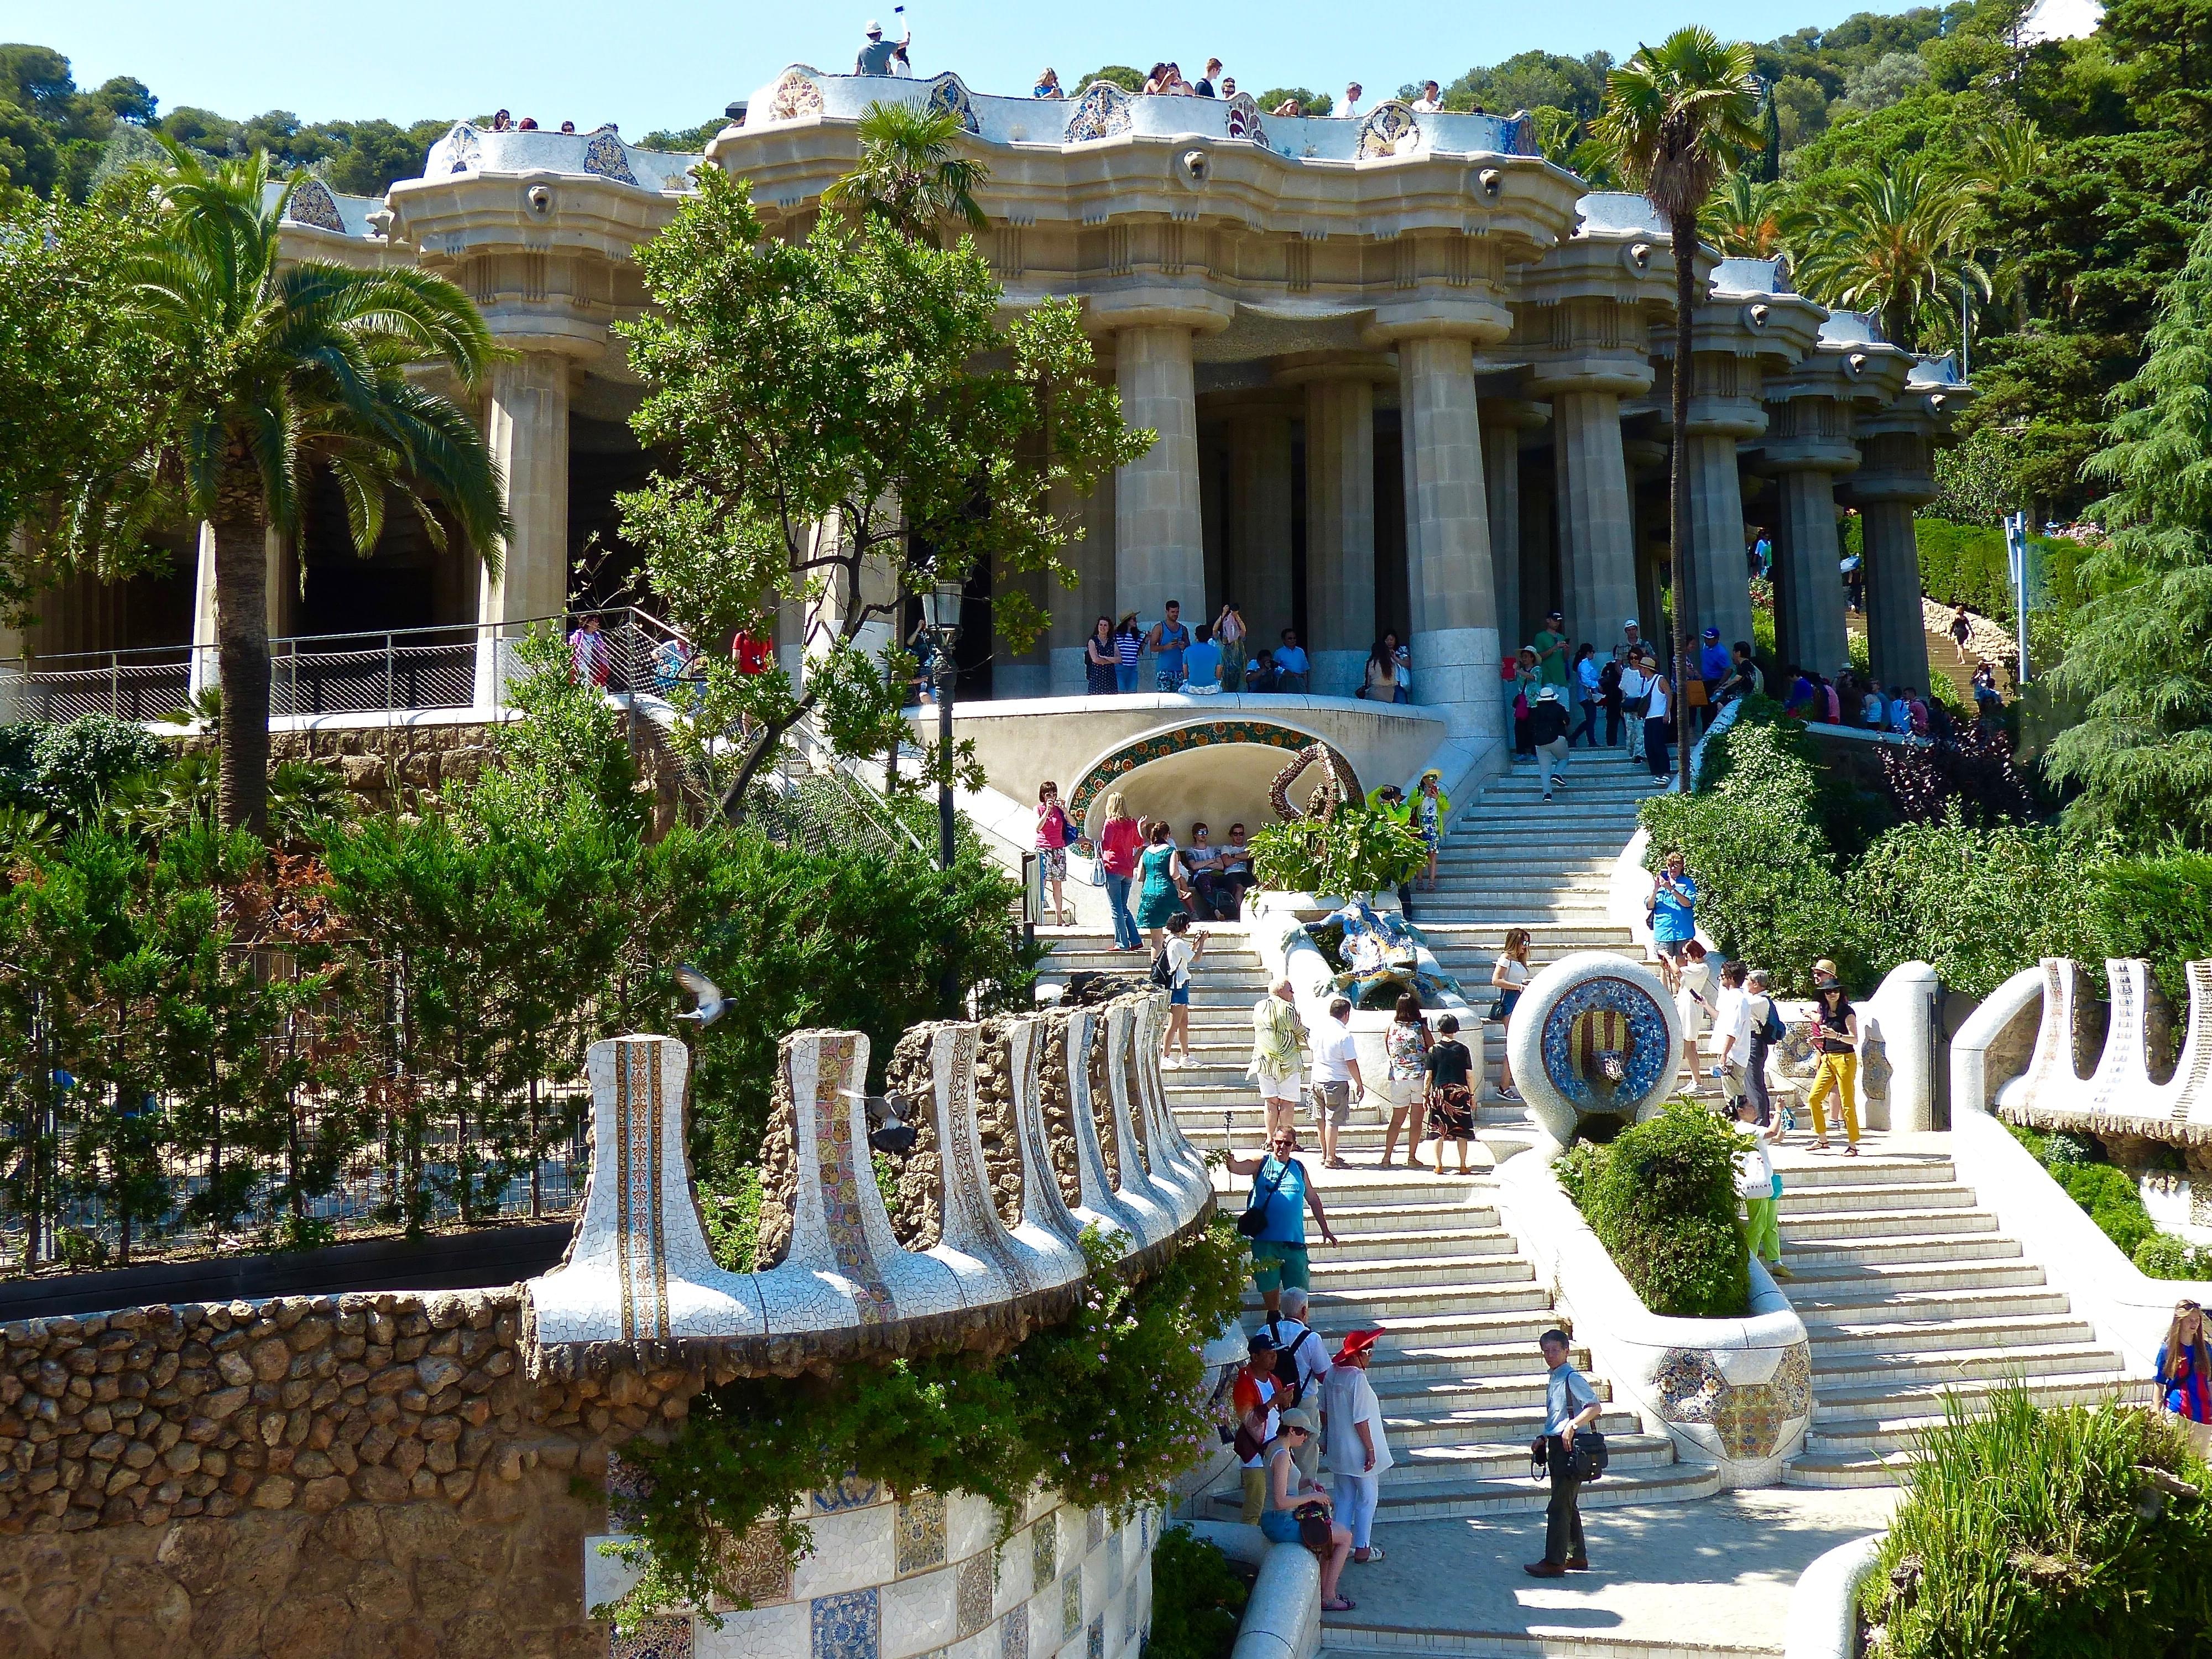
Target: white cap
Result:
[[1549, 693], [1630, 622]]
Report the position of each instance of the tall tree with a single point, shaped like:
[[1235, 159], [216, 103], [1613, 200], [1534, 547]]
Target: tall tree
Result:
[[912, 175], [2142, 753], [854, 426], [1746, 218], [1677, 118], [1891, 240], [282, 367]]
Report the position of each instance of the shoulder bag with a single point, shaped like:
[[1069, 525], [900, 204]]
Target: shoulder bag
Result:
[[1254, 1221]]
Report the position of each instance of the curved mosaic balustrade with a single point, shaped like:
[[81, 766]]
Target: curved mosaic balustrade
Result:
[[639, 1286], [2118, 1096], [1593, 1035], [1103, 111], [600, 154]]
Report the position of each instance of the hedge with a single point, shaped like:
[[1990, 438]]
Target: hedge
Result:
[[1662, 1199]]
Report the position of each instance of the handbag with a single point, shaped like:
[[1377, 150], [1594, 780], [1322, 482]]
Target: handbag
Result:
[[1313, 1528], [1254, 1221]]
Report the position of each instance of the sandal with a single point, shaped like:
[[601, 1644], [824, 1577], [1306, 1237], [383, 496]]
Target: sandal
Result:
[[1342, 1604], [1373, 1553]]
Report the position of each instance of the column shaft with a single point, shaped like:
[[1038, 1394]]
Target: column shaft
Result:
[[1809, 622], [1718, 578], [1597, 542], [526, 428], [1260, 507], [1340, 529], [1449, 573], [1501, 477], [1897, 637], [1075, 609], [1159, 551]]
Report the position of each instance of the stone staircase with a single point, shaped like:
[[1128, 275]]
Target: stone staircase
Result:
[[1910, 1293], [1423, 1258]]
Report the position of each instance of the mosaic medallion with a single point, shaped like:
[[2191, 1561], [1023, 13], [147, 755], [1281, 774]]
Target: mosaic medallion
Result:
[[846, 1626], [756, 1568], [1100, 111], [604, 155], [1389, 128], [1751, 1418], [1245, 121], [921, 1533], [1070, 1603], [971, 1601], [851, 1494], [1044, 1553], [1014, 1634], [1605, 1046], [795, 94], [1094, 1645], [311, 203], [947, 96], [654, 1639]]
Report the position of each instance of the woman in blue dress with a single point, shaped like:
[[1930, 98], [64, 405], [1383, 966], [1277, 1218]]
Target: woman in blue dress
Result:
[[1160, 895]]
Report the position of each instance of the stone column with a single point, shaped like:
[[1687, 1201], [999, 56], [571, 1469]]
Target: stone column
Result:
[[1258, 575], [1074, 610], [1597, 518], [526, 428], [1501, 477], [1808, 441], [1809, 622], [1339, 528], [1450, 574], [1718, 578], [1893, 479], [1159, 551]]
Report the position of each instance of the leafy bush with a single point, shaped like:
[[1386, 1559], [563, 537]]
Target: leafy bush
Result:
[[2078, 1162], [75, 767], [1767, 890], [1977, 905], [1108, 1406], [1197, 1598], [1360, 851], [1662, 1199], [2156, 909], [2029, 1531], [2164, 1256]]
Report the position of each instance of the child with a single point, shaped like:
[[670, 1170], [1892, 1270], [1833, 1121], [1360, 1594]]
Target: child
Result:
[[1451, 1095]]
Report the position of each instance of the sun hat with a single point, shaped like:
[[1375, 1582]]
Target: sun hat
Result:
[[874, 27], [1297, 1417], [1827, 983], [1549, 693], [1436, 772], [1357, 1343]]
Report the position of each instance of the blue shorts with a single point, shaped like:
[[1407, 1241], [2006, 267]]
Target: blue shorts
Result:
[[1180, 997], [1279, 1525]]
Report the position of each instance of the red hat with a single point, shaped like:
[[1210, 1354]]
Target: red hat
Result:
[[1357, 1345]]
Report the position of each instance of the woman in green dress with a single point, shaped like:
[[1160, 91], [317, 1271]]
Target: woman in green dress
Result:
[[1163, 877]]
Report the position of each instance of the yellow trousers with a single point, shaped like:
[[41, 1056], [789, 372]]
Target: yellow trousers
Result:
[[1841, 1073]]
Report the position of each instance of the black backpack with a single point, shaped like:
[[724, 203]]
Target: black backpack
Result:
[[1608, 678], [1547, 721], [1161, 975], [1772, 1030], [1296, 1382]]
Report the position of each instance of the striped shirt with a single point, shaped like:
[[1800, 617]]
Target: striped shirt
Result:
[[1127, 647], [2186, 1388]]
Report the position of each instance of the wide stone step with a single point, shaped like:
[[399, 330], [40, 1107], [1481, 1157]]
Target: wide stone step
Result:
[[1830, 1310], [1496, 1320], [1820, 1227], [1886, 1170], [1366, 1218], [1340, 1307], [1896, 1429], [1914, 1394], [1802, 1255], [1332, 1272], [1416, 1249], [1435, 1400], [1445, 936], [1506, 1421], [1418, 1468], [1845, 1468], [1842, 1342], [1836, 1374], [1415, 1364], [1805, 1198], [1823, 1287]]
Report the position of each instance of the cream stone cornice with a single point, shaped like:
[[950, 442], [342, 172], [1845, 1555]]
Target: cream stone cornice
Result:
[[1303, 367], [1190, 305], [540, 211], [1438, 316]]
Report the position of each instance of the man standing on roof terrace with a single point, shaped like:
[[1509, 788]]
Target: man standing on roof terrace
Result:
[[1351, 94], [875, 57], [1207, 81], [1428, 103]]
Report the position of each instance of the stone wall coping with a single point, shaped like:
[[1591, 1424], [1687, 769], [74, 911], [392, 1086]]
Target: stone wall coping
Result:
[[1633, 1347], [1824, 1620]]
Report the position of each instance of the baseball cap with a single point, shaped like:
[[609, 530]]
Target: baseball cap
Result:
[[1712, 633], [1261, 1343]]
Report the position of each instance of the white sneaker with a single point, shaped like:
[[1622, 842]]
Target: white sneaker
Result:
[[1169, 1063]]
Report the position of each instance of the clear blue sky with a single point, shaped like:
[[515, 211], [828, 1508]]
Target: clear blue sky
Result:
[[648, 64]]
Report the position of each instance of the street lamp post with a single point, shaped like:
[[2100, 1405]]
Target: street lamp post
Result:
[[940, 609]]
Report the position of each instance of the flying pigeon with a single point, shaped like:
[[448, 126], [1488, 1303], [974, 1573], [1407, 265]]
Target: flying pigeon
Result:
[[893, 1133], [712, 1002]]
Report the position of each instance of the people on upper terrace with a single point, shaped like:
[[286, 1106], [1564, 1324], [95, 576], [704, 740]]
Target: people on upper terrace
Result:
[[1429, 102], [1208, 81], [1351, 96], [1048, 86], [879, 55]]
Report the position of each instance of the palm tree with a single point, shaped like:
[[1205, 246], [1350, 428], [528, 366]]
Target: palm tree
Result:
[[911, 174], [1891, 240], [1675, 118], [1746, 218], [283, 368]]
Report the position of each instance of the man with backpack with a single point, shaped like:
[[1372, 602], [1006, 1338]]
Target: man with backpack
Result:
[[1301, 1365], [1548, 734], [1764, 1022], [1571, 1408]]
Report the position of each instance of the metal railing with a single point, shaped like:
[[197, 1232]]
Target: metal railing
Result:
[[394, 671]]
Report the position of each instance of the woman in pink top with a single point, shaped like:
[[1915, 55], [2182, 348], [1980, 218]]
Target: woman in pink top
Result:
[[1118, 846], [1052, 835]]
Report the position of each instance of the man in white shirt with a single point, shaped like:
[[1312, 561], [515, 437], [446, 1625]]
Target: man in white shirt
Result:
[[1301, 1366], [1351, 101], [1335, 1070], [1732, 1030], [1427, 103]]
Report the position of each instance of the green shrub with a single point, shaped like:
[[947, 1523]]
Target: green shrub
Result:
[[75, 767], [2110, 1197], [2027, 1532], [1362, 850], [2063, 1147], [1768, 891], [1197, 1598], [2164, 1256], [2158, 910], [1662, 1199]]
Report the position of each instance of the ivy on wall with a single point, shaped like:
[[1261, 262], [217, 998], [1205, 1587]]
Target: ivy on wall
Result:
[[1107, 1407]]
